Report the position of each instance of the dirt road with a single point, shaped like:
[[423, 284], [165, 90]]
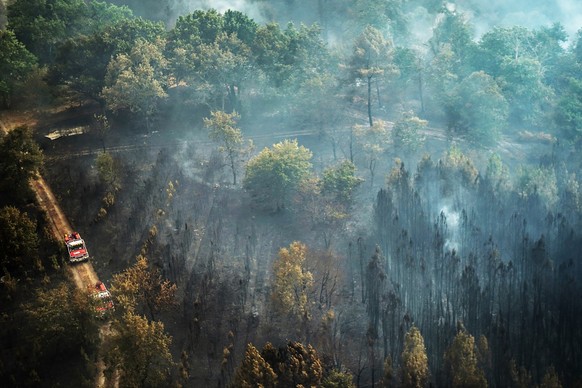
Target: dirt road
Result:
[[83, 273]]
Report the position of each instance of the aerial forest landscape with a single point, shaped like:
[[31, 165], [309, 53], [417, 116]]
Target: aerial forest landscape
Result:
[[287, 193]]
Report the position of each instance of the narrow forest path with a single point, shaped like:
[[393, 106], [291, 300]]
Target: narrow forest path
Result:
[[83, 274]]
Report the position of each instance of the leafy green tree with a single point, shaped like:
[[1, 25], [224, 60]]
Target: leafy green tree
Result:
[[18, 240], [289, 57], [409, 80], [372, 59], [141, 286], [245, 28], [577, 46], [276, 172], [340, 181], [63, 321], [543, 45], [16, 63], [497, 173], [568, 114], [337, 379], [319, 105], [184, 40], [20, 160], [199, 27], [407, 134], [254, 371], [81, 64], [209, 54], [540, 181], [136, 82], [140, 350], [414, 369], [461, 362], [268, 49], [223, 131], [122, 36], [501, 43], [455, 34], [380, 14], [523, 86], [454, 165], [293, 282], [220, 70], [480, 109], [42, 24], [523, 61], [103, 14], [441, 80], [108, 171], [452, 47], [81, 61]]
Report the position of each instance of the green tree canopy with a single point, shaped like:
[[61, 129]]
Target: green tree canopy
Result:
[[81, 61], [406, 133], [224, 132], [537, 181], [479, 110], [136, 82], [273, 175], [338, 379], [108, 171], [568, 114], [372, 58], [140, 286], [18, 240], [455, 33], [16, 63], [289, 57], [199, 27], [42, 24], [220, 70], [245, 28], [340, 181], [140, 349], [63, 321], [20, 160]]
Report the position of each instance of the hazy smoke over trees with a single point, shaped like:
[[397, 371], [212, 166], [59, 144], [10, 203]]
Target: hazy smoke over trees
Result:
[[412, 209]]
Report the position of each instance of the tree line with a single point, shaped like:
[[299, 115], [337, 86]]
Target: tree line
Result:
[[511, 77], [450, 273]]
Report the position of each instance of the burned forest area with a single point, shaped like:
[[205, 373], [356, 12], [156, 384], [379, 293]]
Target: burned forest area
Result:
[[357, 193]]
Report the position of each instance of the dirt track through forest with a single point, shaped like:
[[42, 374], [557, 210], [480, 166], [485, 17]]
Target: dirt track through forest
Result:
[[83, 273]]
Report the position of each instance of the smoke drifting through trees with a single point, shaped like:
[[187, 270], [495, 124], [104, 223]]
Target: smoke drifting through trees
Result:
[[477, 265]]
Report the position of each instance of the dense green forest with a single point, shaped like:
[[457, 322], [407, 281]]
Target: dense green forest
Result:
[[280, 193]]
